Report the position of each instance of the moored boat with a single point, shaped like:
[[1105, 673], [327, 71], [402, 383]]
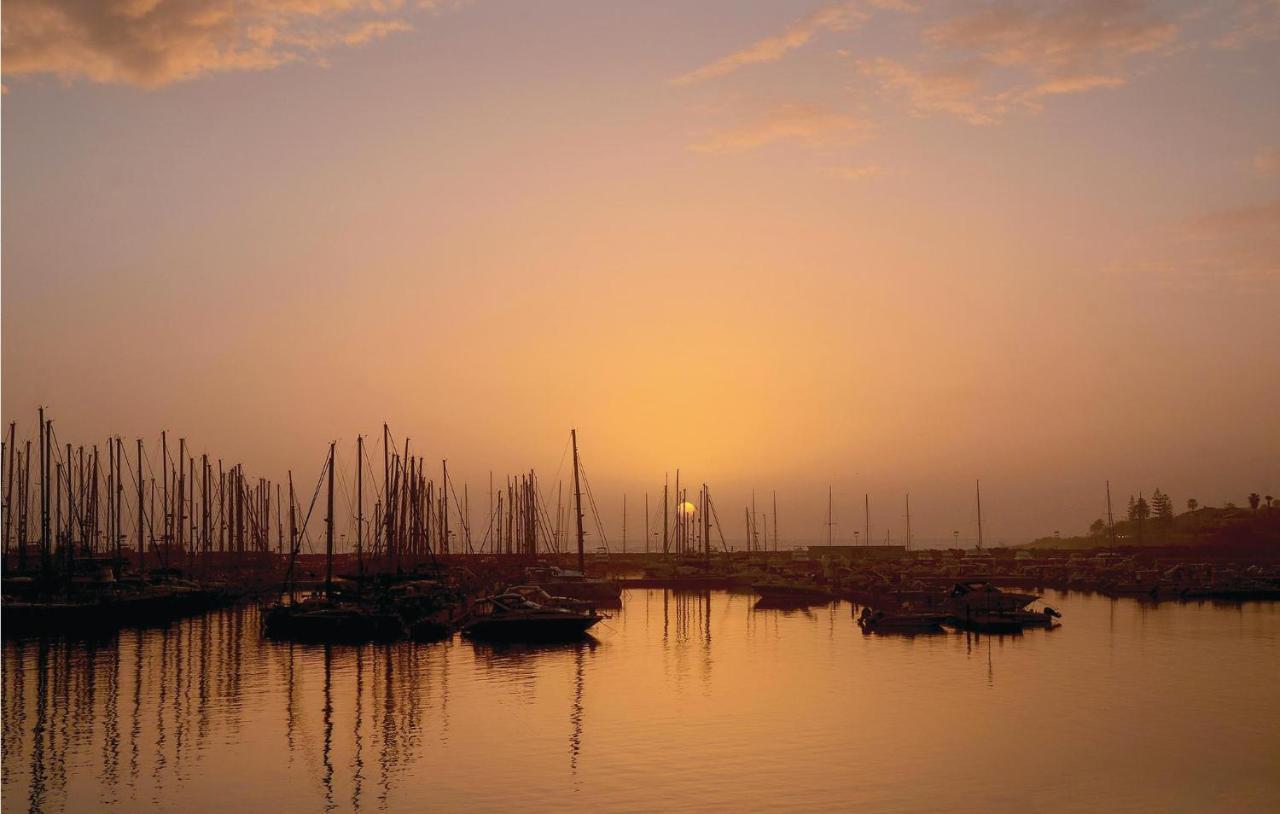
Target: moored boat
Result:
[[879, 621], [793, 591], [511, 617]]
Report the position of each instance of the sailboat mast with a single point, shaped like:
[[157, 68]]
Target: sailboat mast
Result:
[[978, 489], [828, 516], [706, 521], [866, 505], [45, 443], [908, 521], [142, 550], [1111, 522], [386, 490], [360, 505], [577, 502], [444, 505], [775, 523], [328, 532], [666, 505]]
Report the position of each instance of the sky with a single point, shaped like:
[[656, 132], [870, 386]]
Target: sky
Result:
[[888, 247]]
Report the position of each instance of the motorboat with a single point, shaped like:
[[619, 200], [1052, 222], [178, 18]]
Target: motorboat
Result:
[[512, 617]]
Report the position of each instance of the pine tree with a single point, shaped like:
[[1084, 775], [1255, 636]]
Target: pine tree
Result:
[[1162, 506], [1133, 508]]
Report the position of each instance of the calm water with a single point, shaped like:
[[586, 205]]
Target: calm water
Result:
[[690, 701]]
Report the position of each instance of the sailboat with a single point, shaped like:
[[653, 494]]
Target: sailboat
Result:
[[327, 616], [568, 583]]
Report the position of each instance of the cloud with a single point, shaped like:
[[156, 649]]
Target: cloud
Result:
[[1057, 38], [1251, 21], [793, 122], [1259, 220], [951, 89], [1267, 161], [981, 65], [856, 173], [831, 17], [152, 43], [1239, 245]]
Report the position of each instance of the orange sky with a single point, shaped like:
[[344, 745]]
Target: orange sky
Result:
[[888, 246]]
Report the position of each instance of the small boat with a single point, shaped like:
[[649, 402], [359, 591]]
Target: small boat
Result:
[[987, 623], [322, 620], [1046, 618], [793, 591], [511, 617], [878, 621], [573, 584], [538, 596], [968, 598]]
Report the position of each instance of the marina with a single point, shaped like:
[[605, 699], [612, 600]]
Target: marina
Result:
[[679, 701], [609, 407]]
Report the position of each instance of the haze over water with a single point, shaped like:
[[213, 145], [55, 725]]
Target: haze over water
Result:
[[683, 702]]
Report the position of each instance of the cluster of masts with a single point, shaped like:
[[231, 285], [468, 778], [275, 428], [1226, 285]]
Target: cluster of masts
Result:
[[112, 502], [187, 512], [91, 501]]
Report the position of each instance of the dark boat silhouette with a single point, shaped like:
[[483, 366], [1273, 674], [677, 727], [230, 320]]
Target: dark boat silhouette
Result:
[[511, 617], [878, 621]]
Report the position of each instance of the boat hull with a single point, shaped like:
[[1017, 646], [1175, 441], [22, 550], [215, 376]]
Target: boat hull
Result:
[[535, 629]]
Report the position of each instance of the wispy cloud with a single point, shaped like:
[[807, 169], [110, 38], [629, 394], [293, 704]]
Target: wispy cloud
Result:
[[950, 89], [1250, 22], [842, 16], [1237, 247], [807, 124], [981, 65], [157, 42], [1267, 161], [856, 173]]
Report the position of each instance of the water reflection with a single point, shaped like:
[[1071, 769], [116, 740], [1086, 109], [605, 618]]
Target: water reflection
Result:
[[205, 715]]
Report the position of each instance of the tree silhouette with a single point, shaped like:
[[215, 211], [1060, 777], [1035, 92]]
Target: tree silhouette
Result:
[[1097, 528], [1141, 511], [1162, 506], [1268, 498], [1254, 500], [1192, 504]]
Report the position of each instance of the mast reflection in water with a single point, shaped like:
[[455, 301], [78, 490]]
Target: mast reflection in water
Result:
[[691, 700]]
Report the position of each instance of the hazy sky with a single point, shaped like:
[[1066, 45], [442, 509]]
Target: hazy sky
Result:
[[889, 246]]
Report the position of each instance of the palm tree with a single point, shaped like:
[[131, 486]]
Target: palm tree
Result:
[[1254, 500]]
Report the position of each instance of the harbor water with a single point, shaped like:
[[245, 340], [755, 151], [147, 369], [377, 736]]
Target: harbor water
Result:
[[681, 701]]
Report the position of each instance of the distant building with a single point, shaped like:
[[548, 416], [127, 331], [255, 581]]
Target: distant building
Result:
[[857, 552]]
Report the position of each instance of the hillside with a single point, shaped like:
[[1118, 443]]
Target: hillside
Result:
[[1206, 525]]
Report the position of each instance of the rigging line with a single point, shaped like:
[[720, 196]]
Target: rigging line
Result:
[[544, 516], [297, 544], [466, 524], [377, 490], [76, 512], [595, 511], [719, 529], [488, 529], [348, 494], [564, 454]]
